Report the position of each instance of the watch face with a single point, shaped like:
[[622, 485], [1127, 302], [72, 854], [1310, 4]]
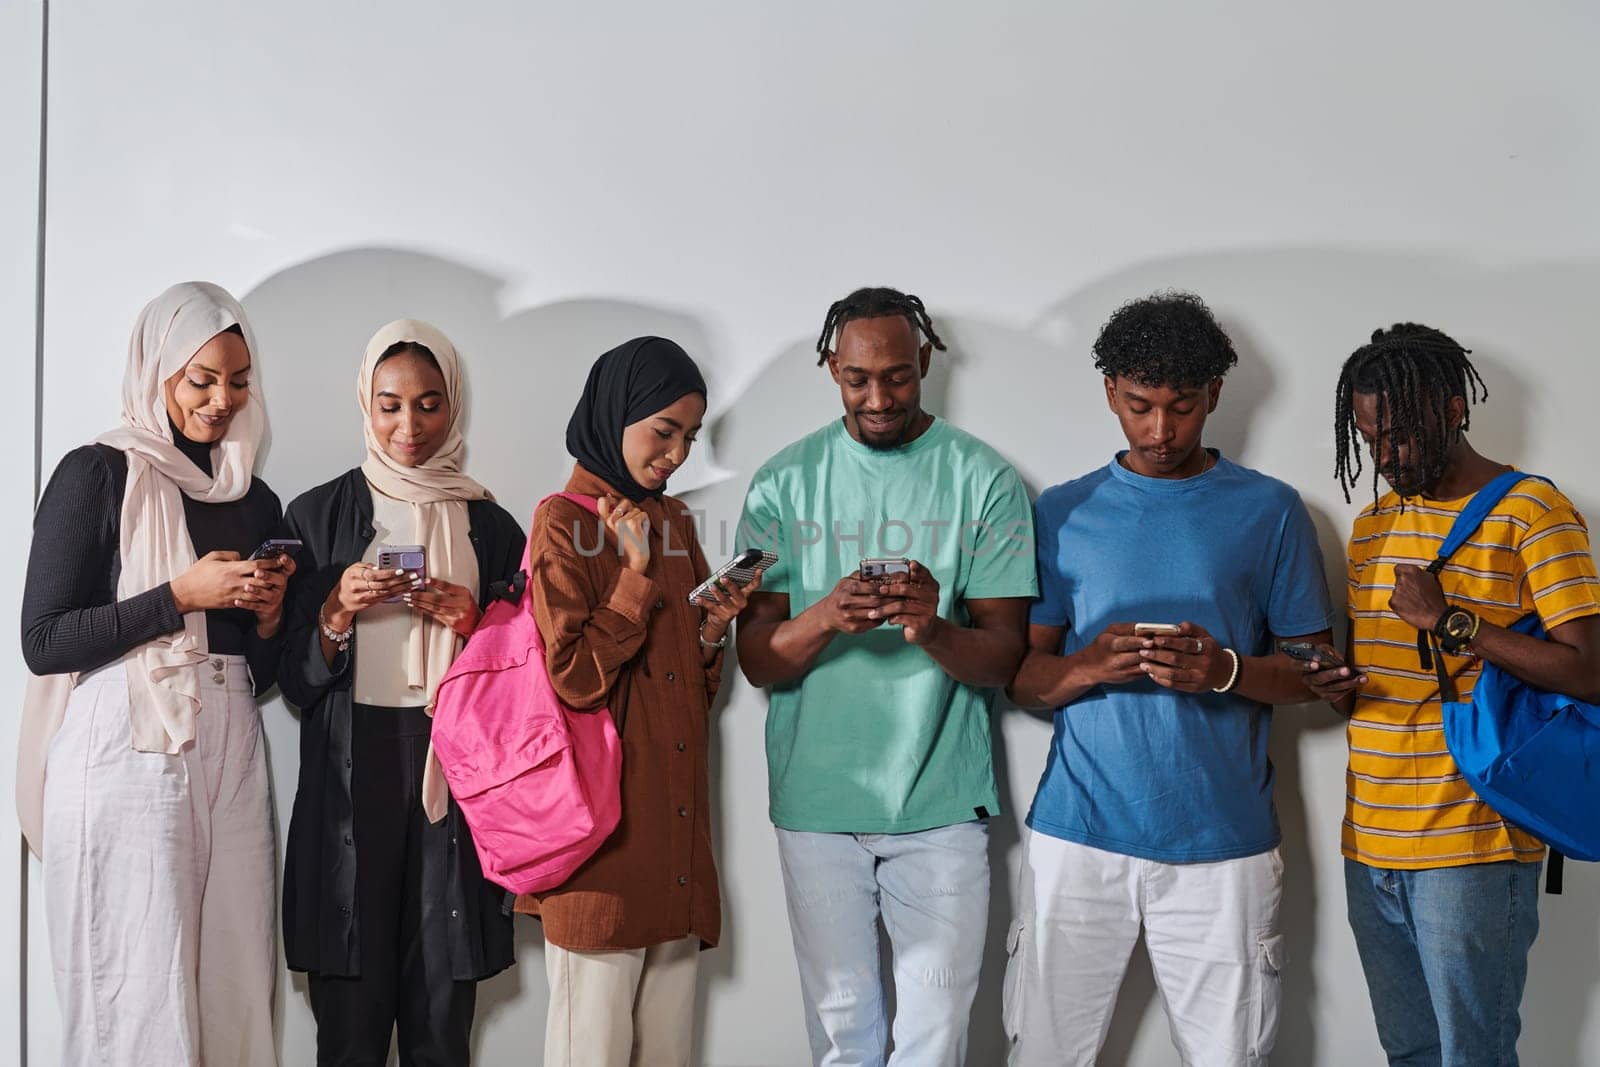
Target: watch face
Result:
[[1458, 623]]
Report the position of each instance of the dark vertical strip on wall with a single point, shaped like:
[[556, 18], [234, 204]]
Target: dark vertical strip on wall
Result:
[[38, 473]]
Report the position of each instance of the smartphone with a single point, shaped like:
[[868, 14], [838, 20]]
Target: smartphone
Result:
[[1306, 651], [882, 568], [273, 547], [403, 558], [739, 571], [1154, 628]]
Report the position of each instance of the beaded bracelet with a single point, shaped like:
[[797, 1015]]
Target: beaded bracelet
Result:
[[1233, 676], [341, 640]]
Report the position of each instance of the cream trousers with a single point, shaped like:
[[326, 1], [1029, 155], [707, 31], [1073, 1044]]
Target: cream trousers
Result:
[[621, 1009], [158, 881]]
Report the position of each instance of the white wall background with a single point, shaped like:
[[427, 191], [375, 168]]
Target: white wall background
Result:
[[543, 180]]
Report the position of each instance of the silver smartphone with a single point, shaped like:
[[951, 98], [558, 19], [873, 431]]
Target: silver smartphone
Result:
[[872, 569], [738, 572]]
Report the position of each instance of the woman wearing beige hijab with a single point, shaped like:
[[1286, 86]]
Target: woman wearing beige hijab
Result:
[[384, 902], [155, 820]]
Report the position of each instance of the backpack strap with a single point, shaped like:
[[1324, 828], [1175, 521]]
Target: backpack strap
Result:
[[1482, 504], [512, 588]]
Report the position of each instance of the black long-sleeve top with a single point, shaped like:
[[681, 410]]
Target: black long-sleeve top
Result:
[[71, 617]]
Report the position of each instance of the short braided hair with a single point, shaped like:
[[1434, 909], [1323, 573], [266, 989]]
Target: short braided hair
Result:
[[875, 302]]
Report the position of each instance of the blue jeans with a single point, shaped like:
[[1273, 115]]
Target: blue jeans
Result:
[[1445, 951], [931, 890]]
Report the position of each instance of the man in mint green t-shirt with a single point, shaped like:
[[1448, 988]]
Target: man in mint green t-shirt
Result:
[[878, 737]]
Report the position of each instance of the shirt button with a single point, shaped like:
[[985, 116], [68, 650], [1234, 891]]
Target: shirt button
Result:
[[682, 746], [218, 678], [344, 909], [216, 664], [660, 604], [683, 879], [347, 761], [670, 676], [683, 813], [454, 913], [349, 840]]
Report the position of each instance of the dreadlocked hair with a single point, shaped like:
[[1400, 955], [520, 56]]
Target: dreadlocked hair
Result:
[[1169, 339], [875, 302], [1414, 371]]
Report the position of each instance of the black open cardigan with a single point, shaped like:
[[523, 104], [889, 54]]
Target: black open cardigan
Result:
[[320, 931]]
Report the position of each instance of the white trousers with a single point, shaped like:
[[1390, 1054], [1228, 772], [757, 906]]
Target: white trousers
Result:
[[632, 1008], [158, 880], [1212, 933]]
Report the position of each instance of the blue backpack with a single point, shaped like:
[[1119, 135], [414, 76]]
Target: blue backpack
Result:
[[1531, 755]]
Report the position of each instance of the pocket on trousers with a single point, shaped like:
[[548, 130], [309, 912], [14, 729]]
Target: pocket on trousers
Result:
[[1011, 990], [1271, 958]]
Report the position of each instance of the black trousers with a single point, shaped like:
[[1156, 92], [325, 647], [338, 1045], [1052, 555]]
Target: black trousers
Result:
[[405, 981]]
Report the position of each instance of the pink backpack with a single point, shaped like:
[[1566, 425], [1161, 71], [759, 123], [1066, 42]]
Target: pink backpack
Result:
[[539, 783]]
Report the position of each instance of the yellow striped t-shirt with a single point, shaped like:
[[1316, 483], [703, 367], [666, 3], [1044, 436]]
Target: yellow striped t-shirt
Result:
[[1406, 804]]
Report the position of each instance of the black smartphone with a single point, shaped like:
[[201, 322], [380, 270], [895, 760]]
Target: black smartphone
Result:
[[739, 572], [1326, 656], [273, 547]]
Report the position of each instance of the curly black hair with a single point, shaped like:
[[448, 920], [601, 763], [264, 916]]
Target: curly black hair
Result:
[[1167, 339], [1414, 370], [875, 302]]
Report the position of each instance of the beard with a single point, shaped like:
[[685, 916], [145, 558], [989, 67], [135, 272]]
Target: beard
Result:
[[887, 442]]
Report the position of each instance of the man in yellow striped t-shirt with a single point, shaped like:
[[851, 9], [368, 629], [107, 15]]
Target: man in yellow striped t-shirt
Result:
[[1442, 892]]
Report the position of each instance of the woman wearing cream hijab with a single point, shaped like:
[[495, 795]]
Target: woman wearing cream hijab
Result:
[[384, 902], [140, 602]]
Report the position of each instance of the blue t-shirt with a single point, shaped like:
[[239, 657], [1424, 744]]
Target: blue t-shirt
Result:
[[1138, 769]]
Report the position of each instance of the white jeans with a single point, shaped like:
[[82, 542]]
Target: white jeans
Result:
[[158, 881], [631, 1008], [932, 891], [1212, 933]]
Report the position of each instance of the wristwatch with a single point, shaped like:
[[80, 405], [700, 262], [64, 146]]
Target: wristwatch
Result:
[[1456, 628]]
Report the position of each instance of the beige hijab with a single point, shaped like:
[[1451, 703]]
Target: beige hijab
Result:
[[438, 492], [163, 675]]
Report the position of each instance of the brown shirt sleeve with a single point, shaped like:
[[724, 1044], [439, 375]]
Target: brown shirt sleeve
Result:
[[702, 571], [591, 610]]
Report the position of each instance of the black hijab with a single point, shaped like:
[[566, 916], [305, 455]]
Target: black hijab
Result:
[[626, 384]]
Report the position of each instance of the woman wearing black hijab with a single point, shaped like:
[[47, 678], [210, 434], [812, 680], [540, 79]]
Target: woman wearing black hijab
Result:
[[623, 935]]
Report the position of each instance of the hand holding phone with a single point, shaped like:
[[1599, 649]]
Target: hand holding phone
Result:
[[738, 572], [911, 600], [1325, 672], [275, 547], [1321, 653]]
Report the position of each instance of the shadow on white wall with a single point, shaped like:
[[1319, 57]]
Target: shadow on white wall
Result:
[[1032, 392]]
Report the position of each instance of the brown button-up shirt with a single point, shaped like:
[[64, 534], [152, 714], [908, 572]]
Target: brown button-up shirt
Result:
[[616, 638]]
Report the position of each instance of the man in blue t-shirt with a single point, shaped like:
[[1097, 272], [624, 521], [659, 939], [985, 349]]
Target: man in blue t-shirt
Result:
[[1155, 808]]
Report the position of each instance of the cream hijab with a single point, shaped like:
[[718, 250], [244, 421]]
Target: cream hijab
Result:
[[438, 492], [163, 675]]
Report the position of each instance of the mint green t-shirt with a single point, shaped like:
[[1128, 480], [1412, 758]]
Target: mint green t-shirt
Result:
[[876, 737]]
